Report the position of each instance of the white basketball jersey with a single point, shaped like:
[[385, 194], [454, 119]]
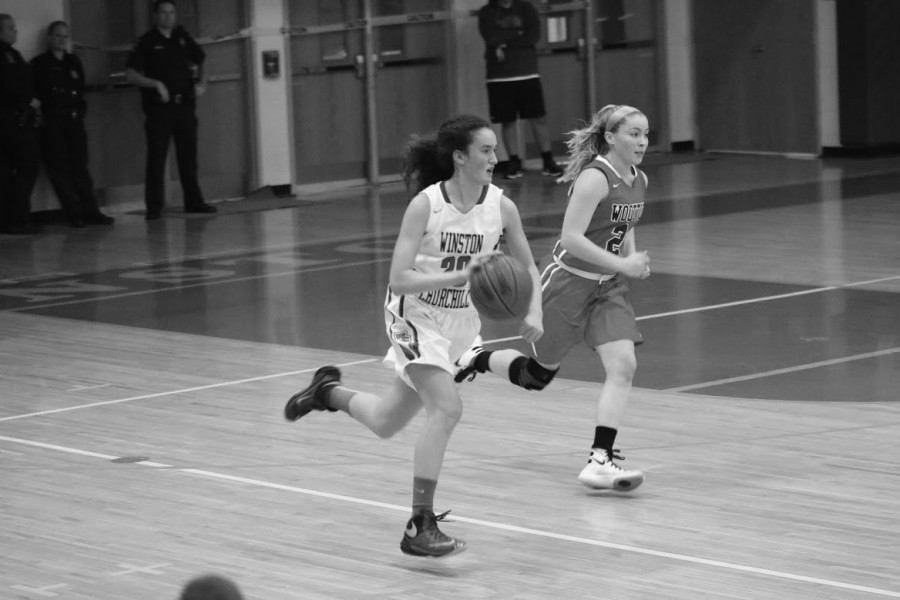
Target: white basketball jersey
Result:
[[452, 238]]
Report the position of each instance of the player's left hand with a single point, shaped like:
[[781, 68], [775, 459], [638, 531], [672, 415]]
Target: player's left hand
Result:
[[532, 327], [199, 90]]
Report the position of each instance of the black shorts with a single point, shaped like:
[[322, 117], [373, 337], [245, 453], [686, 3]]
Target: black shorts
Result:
[[509, 100]]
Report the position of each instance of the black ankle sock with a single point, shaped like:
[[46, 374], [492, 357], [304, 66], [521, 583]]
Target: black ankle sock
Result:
[[513, 159], [604, 437], [547, 157], [482, 361]]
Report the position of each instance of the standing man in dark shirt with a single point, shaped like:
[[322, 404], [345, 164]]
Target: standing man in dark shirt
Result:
[[162, 64], [19, 155], [511, 30], [59, 85]]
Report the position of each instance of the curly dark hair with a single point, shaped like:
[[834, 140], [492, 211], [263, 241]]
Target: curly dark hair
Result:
[[429, 158]]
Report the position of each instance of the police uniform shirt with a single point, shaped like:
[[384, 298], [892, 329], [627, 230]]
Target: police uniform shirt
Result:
[[16, 89], [169, 60], [59, 85]]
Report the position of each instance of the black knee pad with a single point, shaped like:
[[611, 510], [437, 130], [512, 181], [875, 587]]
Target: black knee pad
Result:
[[530, 374]]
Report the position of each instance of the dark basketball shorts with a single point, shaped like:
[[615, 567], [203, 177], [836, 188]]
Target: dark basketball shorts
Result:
[[578, 309], [509, 100]]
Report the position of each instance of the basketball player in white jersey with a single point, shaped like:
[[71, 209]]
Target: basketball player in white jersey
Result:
[[584, 280], [456, 218]]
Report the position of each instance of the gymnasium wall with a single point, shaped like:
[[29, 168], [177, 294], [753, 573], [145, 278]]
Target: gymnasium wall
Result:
[[869, 72], [272, 150], [679, 69], [849, 75]]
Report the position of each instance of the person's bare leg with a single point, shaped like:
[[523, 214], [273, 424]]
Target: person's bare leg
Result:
[[385, 415], [602, 472], [443, 410], [541, 133]]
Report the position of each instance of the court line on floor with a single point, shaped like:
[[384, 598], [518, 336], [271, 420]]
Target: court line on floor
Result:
[[685, 311], [784, 371], [175, 392], [480, 522], [494, 341], [818, 290], [178, 288]]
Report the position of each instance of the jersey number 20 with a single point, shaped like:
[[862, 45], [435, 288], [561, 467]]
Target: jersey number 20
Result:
[[455, 263]]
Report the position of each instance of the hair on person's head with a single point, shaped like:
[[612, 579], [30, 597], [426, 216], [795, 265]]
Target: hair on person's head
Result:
[[158, 3], [429, 159], [586, 143], [211, 587], [52, 26]]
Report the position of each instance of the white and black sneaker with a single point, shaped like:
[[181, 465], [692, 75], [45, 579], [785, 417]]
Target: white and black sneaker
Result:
[[602, 473], [466, 362]]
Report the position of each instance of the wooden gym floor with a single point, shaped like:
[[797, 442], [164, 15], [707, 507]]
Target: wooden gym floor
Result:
[[145, 366]]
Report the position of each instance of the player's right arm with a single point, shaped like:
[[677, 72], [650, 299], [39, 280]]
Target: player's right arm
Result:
[[590, 188], [404, 277]]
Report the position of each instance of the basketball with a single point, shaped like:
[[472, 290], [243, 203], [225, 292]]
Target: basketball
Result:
[[500, 288]]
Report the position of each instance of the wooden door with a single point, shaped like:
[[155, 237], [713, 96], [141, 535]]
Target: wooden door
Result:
[[104, 31], [224, 158], [353, 111], [412, 77], [756, 75], [628, 63], [328, 90], [562, 60]]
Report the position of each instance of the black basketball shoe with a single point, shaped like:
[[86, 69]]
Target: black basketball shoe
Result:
[[312, 396], [513, 169], [551, 168], [423, 538]]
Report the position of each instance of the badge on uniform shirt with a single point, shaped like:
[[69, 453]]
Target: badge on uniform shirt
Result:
[[10, 58], [74, 74], [181, 41]]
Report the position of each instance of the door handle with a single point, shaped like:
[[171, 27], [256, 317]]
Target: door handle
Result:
[[582, 48], [360, 64]]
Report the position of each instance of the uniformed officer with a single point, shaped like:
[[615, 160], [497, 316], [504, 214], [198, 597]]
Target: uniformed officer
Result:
[[59, 85], [19, 155], [163, 64]]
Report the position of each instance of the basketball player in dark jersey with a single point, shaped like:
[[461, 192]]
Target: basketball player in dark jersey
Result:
[[584, 282]]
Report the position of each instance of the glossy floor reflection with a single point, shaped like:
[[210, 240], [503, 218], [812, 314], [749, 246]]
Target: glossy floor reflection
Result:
[[144, 370], [773, 278]]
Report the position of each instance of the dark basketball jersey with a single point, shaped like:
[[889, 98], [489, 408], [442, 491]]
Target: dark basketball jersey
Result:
[[614, 216]]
